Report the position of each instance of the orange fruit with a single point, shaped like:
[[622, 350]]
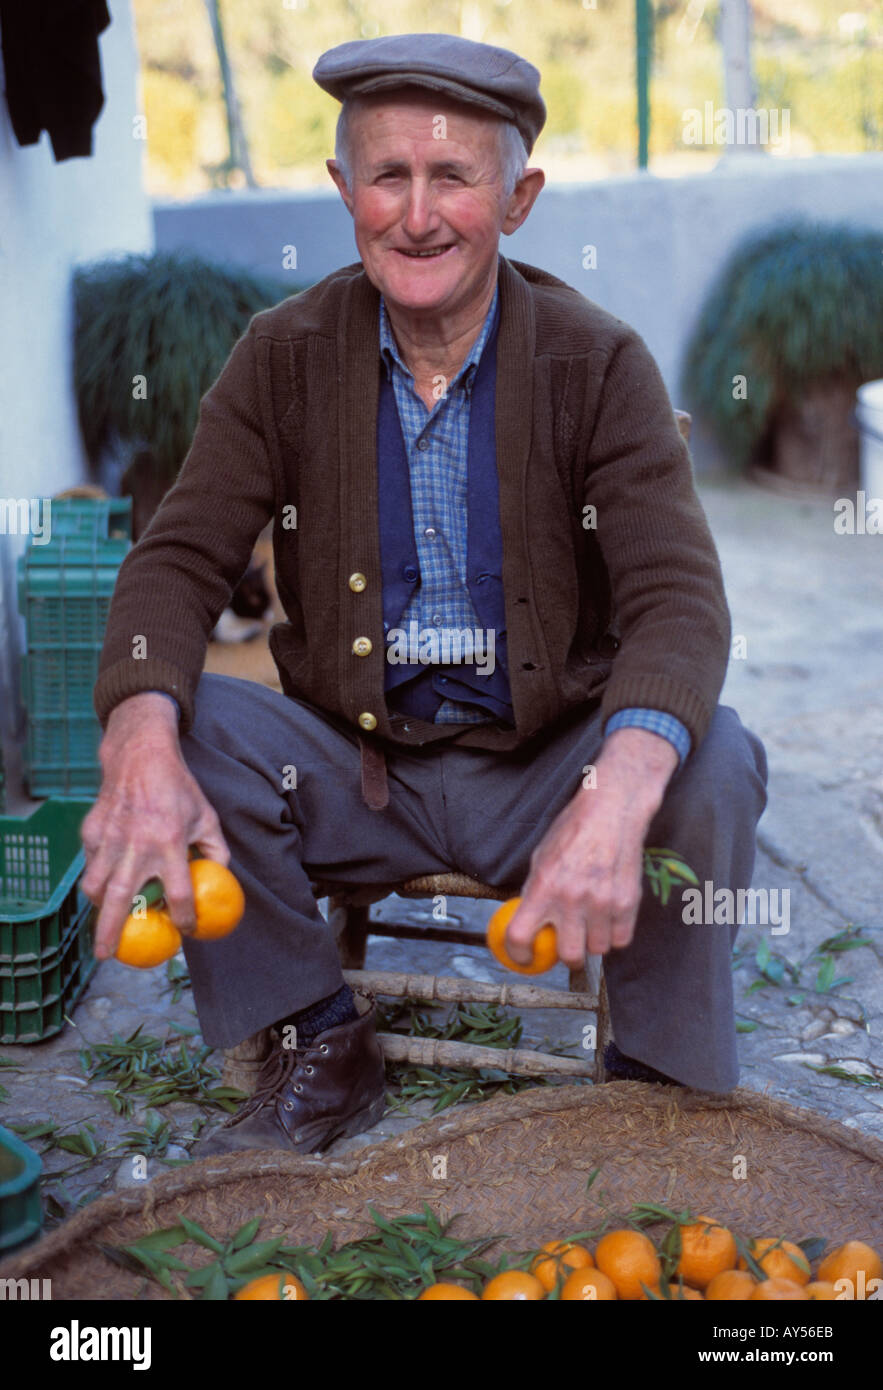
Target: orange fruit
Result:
[[545, 943], [513, 1285], [821, 1291], [276, 1287], [730, 1285], [707, 1249], [446, 1291], [148, 939], [559, 1257], [629, 1258], [779, 1290], [677, 1293], [847, 1260], [588, 1285], [217, 897], [779, 1259]]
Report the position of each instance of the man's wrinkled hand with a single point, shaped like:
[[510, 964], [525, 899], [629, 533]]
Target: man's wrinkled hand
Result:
[[586, 873], [149, 811]]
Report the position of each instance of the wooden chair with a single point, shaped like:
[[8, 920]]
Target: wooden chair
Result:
[[349, 919]]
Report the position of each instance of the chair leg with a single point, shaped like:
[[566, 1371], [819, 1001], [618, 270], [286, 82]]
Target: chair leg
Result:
[[605, 1033], [350, 927], [590, 980]]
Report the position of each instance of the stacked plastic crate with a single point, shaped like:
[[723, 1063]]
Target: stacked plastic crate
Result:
[[45, 920], [64, 593]]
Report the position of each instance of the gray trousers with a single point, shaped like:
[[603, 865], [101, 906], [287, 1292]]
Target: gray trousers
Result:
[[286, 785]]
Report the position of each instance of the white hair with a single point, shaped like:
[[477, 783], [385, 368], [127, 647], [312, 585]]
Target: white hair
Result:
[[513, 151]]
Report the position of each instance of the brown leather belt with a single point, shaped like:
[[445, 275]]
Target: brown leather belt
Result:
[[375, 790]]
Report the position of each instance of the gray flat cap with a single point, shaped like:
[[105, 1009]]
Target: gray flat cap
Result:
[[494, 79]]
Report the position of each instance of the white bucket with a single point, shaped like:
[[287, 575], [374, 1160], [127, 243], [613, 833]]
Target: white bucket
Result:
[[869, 417]]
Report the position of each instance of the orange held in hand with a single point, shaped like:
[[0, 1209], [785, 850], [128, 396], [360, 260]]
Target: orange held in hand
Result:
[[545, 943], [148, 939], [217, 897]]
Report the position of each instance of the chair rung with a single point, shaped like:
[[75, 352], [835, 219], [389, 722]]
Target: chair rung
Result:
[[438, 1052], [451, 988]]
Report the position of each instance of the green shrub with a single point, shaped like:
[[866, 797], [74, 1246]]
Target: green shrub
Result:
[[795, 305], [170, 318]]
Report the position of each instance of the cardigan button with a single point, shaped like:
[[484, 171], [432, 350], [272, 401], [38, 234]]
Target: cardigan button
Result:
[[357, 583], [363, 646], [367, 721]]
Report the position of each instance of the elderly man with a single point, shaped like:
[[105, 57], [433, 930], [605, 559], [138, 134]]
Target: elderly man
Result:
[[446, 442]]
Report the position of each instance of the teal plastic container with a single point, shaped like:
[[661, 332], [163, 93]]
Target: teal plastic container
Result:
[[46, 957], [64, 593], [21, 1210]]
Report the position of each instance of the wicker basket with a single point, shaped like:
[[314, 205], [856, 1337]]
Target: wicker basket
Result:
[[517, 1165]]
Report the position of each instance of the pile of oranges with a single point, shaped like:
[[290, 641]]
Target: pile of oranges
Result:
[[626, 1265], [151, 937]]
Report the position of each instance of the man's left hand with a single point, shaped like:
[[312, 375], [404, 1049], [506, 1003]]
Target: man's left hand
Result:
[[586, 873]]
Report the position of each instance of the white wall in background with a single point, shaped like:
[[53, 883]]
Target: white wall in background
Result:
[[52, 217]]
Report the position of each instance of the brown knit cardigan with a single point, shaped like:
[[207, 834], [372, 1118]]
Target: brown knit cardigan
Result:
[[625, 603]]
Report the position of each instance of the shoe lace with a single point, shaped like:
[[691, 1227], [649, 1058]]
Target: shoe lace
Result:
[[273, 1075]]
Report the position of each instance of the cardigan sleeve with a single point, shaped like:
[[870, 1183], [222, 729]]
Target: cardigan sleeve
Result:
[[175, 582], [665, 575]]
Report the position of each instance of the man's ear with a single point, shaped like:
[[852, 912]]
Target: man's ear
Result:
[[524, 195], [336, 173]]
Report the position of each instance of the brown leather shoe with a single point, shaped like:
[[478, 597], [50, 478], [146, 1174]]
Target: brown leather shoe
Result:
[[309, 1096]]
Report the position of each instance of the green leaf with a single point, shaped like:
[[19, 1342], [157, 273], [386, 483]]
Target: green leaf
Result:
[[164, 1239], [216, 1289], [252, 1256], [744, 1025], [825, 977], [246, 1234], [201, 1237]]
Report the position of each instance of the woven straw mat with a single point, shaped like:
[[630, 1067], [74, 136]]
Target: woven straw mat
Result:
[[517, 1166]]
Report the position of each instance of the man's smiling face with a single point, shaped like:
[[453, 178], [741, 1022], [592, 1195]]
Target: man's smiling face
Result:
[[414, 194]]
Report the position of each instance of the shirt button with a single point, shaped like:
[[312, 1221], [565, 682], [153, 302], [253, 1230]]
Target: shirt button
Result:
[[430, 533], [423, 443], [357, 583], [437, 619], [367, 721], [363, 646]]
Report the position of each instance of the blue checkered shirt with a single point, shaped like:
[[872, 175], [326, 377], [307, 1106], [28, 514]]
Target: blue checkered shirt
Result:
[[436, 445]]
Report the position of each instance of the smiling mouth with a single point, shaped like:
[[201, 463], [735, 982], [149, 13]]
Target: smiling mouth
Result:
[[432, 253]]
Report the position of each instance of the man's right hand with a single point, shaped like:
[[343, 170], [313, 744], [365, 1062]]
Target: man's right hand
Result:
[[150, 809]]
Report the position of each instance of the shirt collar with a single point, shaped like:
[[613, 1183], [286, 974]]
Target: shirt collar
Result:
[[389, 351]]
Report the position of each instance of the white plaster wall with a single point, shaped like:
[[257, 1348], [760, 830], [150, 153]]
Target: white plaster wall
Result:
[[52, 217], [660, 242]]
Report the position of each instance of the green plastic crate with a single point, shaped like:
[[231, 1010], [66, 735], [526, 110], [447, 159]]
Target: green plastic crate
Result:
[[21, 1211], [61, 756], [64, 594], [46, 957], [101, 517]]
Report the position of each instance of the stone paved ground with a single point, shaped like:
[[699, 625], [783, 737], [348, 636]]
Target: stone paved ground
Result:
[[808, 603]]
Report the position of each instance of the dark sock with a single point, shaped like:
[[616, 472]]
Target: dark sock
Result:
[[622, 1068], [317, 1018]]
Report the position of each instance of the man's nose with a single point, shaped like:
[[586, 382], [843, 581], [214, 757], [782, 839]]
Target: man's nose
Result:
[[420, 212]]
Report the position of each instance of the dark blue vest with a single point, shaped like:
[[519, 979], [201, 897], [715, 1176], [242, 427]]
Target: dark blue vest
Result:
[[415, 688]]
